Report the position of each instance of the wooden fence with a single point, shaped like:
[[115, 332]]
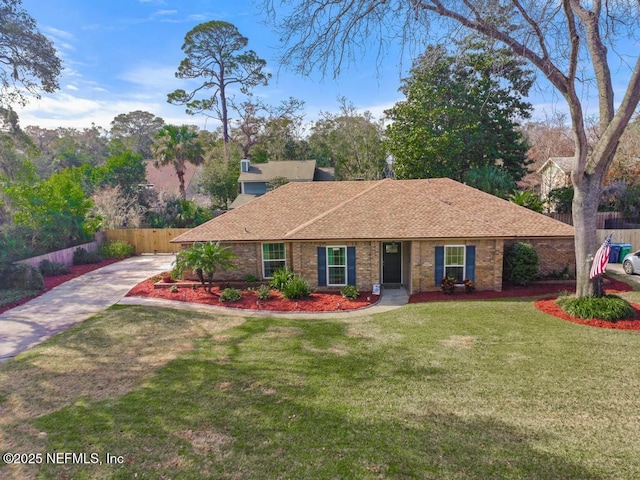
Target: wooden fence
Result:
[[148, 240], [601, 217], [621, 236]]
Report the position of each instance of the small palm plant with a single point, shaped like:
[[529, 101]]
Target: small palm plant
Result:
[[204, 259]]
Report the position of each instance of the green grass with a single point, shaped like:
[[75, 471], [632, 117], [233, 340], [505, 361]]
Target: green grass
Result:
[[13, 295], [446, 390]]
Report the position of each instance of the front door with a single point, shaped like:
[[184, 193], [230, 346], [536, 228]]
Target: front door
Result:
[[391, 262]]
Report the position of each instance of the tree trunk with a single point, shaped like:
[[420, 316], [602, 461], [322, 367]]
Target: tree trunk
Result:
[[585, 209], [183, 191]]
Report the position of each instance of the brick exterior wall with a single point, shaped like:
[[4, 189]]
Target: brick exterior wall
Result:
[[248, 262], [418, 261], [305, 261], [555, 254], [489, 255]]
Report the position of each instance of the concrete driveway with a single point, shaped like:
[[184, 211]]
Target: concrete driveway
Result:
[[617, 268], [74, 301]]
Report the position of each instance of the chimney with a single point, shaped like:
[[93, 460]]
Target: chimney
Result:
[[244, 165]]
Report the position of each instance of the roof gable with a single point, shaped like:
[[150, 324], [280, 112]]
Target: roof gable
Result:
[[565, 164], [384, 209], [294, 170]]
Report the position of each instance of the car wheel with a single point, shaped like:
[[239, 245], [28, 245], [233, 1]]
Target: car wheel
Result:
[[628, 267]]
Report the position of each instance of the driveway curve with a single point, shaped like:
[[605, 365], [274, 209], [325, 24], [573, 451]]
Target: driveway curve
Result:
[[73, 302]]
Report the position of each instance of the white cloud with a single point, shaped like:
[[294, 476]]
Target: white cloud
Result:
[[57, 33], [72, 111], [166, 12], [157, 77], [72, 87]]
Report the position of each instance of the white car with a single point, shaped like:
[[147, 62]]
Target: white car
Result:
[[631, 263]]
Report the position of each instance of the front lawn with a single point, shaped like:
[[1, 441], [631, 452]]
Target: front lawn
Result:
[[444, 390]]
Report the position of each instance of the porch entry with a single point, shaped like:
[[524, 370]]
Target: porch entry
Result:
[[391, 263]]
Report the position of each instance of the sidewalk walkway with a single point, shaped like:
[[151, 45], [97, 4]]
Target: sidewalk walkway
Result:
[[391, 299], [74, 301]]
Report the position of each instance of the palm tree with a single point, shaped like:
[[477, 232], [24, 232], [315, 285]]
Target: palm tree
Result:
[[177, 145], [204, 259]]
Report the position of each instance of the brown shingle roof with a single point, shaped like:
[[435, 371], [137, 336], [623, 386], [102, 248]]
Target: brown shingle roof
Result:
[[384, 209]]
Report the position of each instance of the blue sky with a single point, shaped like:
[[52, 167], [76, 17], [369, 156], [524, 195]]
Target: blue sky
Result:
[[121, 55]]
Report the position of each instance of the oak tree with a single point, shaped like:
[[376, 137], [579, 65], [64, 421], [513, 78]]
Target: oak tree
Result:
[[461, 112]]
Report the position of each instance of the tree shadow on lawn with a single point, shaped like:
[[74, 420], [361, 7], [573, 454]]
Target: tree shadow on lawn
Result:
[[294, 399]]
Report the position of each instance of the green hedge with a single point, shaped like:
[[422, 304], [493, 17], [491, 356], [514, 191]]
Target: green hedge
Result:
[[21, 276]]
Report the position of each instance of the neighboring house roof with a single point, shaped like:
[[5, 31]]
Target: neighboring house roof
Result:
[[563, 163], [324, 174], [383, 209], [294, 170], [241, 199], [165, 178]]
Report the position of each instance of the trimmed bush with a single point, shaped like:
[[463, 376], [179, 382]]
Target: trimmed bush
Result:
[[448, 285], [230, 295], [280, 278], [117, 249], [350, 292], [263, 292], [82, 257], [521, 264], [296, 288], [51, 269], [21, 276], [610, 307]]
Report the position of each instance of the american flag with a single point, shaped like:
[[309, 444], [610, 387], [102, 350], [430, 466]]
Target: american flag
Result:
[[599, 264]]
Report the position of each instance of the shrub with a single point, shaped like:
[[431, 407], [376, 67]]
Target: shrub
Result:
[[296, 288], [21, 276], [51, 269], [610, 307], [117, 249], [230, 295], [521, 263], [263, 292], [280, 278], [82, 257], [469, 286], [349, 292], [250, 278], [448, 285]]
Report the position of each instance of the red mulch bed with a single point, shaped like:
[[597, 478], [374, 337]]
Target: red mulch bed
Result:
[[514, 291], [549, 306], [317, 302], [52, 282]]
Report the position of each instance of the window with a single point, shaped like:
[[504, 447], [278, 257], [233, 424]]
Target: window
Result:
[[454, 262], [273, 258], [337, 265]]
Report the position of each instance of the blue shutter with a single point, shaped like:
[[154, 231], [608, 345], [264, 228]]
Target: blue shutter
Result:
[[351, 265], [322, 267], [439, 265], [470, 263]]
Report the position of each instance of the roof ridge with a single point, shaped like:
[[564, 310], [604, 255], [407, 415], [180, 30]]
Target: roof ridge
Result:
[[333, 209], [426, 193]]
